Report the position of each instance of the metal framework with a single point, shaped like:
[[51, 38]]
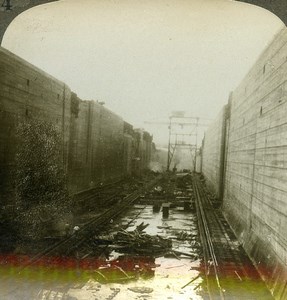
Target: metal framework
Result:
[[177, 139]]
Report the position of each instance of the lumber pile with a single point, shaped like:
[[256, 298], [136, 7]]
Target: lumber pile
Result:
[[137, 241]]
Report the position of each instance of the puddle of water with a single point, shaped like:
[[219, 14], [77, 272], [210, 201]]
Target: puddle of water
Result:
[[153, 277], [168, 279]]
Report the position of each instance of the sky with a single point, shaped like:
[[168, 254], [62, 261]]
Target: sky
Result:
[[146, 58]]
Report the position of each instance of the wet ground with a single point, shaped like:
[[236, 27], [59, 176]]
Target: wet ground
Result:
[[168, 277], [105, 268]]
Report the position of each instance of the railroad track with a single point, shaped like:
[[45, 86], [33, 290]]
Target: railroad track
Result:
[[77, 239], [229, 272], [210, 259], [106, 192]]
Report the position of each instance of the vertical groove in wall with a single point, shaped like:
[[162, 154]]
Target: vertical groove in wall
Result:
[[63, 124], [88, 145], [222, 155], [213, 154], [226, 142]]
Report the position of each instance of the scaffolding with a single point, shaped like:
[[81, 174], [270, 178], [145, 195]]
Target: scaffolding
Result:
[[183, 140]]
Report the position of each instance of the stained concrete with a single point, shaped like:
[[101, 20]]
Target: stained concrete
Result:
[[254, 166]]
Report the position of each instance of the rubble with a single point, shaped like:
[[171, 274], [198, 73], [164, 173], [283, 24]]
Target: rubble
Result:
[[130, 251], [136, 242], [141, 289], [183, 236], [192, 280], [112, 274]]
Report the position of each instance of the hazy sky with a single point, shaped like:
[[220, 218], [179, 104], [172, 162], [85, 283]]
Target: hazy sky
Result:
[[145, 59]]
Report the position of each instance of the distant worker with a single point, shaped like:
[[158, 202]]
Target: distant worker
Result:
[[76, 229]]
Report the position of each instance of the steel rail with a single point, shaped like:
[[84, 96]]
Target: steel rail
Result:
[[222, 229], [98, 220], [208, 249]]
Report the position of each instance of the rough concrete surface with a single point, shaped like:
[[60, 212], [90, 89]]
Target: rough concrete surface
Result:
[[255, 194]]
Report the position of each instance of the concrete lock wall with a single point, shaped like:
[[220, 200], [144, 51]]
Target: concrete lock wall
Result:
[[112, 144], [95, 147], [255, 198], [212, 154], [198, 162], [254, 177], [26, 93], [79, 162]]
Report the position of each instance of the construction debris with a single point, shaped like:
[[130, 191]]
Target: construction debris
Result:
[[142, 243], [183, 236], [112, 274], [192, 280], [141, 289], [136, 242]]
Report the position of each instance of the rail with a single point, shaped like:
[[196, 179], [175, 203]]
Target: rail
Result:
[[78, 238], [210, 259], [229, 272]]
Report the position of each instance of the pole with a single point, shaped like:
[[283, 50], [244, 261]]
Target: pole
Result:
[[168, 151]]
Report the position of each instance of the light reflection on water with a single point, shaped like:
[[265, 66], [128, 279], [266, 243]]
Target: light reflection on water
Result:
[[170, 276], [161, 278]]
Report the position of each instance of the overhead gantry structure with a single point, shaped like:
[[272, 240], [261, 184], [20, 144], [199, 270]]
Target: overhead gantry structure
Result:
[[182, 133]]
